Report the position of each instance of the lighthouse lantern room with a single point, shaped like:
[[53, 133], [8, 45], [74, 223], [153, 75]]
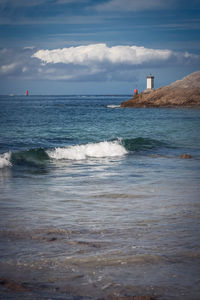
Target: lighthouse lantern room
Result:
[[150, 82]]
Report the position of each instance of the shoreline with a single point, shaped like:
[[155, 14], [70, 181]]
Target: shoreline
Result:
[[159, 99]]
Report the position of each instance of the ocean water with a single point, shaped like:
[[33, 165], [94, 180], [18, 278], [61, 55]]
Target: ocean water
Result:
[[96, 201]]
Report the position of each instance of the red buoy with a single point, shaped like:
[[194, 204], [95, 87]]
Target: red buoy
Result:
[[135, 91]]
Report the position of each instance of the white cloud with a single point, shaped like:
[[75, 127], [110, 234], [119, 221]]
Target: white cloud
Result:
[[95, 62], [102, 63], [100, 53], [29, 48], [5, 69]]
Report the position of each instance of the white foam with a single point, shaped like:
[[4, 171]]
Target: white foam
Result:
[[5, 160], [102, 149], [113, 106]]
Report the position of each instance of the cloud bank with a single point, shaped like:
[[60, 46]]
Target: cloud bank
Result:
[[100, 53], [95, 62]]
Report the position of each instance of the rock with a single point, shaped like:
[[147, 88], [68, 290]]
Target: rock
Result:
[[181, 93], [52, 239], [186, 155]]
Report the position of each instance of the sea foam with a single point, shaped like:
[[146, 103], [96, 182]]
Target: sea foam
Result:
[[5, 160], [96, 150], [113, 106]]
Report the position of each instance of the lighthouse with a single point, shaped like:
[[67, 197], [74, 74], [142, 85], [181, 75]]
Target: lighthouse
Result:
[[150, 82]]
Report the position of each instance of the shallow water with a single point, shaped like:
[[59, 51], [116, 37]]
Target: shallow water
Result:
[[96, 201]]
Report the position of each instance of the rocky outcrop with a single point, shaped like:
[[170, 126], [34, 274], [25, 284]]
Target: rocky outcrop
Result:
[[181, 93]]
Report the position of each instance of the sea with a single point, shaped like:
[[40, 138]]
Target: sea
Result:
[[98, 201]]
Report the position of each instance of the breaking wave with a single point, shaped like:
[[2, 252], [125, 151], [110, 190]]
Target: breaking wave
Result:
[[5, 160], [31, 157], [113, 106], [40, 156], [34, 157], [96, 150]]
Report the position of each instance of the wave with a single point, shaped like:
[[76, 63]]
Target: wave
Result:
[[141, 144], [31, 157], [96, 150], [113, 106], [117, 148], [34, 157]]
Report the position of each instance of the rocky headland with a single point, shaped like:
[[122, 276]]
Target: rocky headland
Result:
[[181, 93]]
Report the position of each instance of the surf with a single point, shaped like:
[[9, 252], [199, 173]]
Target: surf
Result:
[[90, 150], [39, 157], [5, 160], [113, 106]]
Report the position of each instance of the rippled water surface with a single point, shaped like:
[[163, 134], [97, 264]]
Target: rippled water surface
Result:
[[96, 201]]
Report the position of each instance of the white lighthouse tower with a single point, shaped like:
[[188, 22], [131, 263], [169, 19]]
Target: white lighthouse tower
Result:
[[150, 82]]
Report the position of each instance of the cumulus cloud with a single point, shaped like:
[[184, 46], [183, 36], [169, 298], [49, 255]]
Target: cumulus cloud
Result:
[[95, 62], [100, 53]]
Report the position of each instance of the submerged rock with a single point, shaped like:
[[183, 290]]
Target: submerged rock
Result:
[[181, 93], [186, 155]]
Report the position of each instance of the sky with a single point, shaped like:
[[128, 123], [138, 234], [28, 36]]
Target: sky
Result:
[[96, 47]]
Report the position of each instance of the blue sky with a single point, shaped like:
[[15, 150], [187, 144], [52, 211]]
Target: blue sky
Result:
[[96, 47]]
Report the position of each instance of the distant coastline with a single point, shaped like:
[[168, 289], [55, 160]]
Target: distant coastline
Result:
[[181, 93]]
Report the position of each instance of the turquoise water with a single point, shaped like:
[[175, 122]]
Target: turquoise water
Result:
[[95, 200]]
